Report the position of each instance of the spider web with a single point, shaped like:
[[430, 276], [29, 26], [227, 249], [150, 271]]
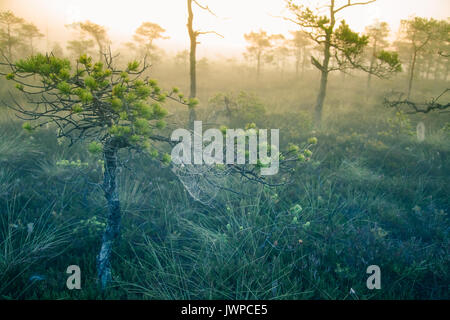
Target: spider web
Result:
[[203, 182]]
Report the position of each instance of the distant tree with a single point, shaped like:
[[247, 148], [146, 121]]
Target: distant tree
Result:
[[377, 34], [299, 45], [153, 55], [259, 48], [203, 65], [443, 49], [182, 58], [10, 35], [57, 50], [281, 52], [78, 47], [96, 32], [193, 36], [437, 52], [30, 32], [419, 33], [239, 109], [146, 34], [341, 47]]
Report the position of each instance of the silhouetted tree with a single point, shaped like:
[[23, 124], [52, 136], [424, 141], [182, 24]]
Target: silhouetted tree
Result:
[[259, 49], [419, 33], [299, 45], [30, 32], [193, 36], [280, 52], [96, 32], [145, 36], [341, 47], [377, 34], [10, 35], [57, 50], [78, 47], [182, 58]]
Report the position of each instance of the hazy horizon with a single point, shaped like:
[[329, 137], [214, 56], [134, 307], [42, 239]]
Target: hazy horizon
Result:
[[122, 20]]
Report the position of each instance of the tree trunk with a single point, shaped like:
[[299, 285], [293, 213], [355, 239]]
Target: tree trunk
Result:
[[297, 65], [9, 44], [447, 68], [321, 98], [114, 215], [192, 61], [303, 62], [193, 68], [372, 63], [323, 84], [427, 76], [411, 74], [100, 48], [258, 65], [324, 69]]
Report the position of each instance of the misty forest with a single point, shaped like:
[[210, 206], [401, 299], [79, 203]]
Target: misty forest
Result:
[[87, 176]]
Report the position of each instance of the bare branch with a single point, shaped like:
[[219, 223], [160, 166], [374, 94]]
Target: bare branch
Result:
[[425, 108], [209, 32], [204, 7], [350, 4]]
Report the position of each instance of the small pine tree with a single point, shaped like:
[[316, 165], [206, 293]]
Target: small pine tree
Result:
[[112, 108]]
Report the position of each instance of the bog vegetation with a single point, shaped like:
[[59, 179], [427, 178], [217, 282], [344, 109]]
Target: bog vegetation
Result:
[[86, 178]]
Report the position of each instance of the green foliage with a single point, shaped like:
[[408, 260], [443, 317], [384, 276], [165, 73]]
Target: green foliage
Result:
[[340, 44], [77, 109], [350, 43], [193, 102], [45, 66], [369, 193], [64, 88], [95, 148], [166, 158], [90, 83], [241, 109], [133, 66], [117, 103], [27, 126], [400, 124], [391, 59], [305, 240]]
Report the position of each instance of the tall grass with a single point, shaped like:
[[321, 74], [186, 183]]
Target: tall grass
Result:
[[27, 238], [371, 195]]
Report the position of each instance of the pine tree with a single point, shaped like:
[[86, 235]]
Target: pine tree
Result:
[[110, 108], [341, 48]]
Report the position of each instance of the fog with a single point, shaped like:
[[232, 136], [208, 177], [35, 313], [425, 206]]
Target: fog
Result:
[[334, 122], [233, 18]]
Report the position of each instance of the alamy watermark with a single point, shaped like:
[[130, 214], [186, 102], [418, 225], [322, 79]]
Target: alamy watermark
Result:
[[374, 281], [241, 147], [74, 280]]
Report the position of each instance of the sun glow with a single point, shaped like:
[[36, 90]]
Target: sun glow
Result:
[[234, 18]]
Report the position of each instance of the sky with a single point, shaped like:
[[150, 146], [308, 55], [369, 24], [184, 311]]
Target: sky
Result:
[[234, 18]]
